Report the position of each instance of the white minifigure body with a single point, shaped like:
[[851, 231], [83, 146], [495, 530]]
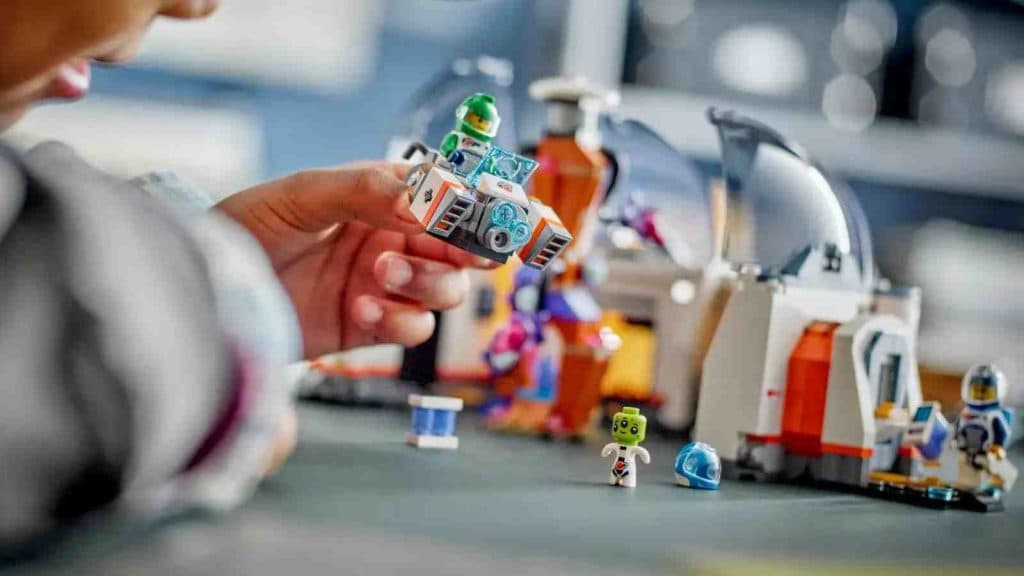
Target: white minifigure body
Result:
[[467, 153], [983, 430], [629, 428], [624, 467]]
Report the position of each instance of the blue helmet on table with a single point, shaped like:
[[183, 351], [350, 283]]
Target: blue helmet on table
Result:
[[698, 466]]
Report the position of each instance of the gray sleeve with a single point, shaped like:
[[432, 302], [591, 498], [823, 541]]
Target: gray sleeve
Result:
[[256, 315], [113, 363]]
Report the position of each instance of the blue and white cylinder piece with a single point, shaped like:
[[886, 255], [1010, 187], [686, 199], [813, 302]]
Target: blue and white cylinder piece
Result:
[[433, 421]]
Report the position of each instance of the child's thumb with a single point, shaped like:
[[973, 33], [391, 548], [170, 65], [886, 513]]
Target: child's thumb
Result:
[[372, 193]]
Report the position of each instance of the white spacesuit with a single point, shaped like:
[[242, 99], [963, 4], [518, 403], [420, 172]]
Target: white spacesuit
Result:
[[983, 430], [624, 467]]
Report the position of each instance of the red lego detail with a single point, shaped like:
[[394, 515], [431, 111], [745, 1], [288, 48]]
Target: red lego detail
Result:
[[844, 450], [763, 439], [803, 411]]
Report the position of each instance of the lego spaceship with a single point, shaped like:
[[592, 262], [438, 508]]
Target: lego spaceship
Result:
[[485, 211]]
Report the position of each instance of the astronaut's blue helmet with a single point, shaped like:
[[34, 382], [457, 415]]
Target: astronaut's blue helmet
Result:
[[698, 466]]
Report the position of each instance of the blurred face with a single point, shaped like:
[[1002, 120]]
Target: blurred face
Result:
[[982, 392], [46, 46], [478, 122]]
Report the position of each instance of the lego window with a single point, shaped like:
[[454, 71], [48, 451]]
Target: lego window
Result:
[[889, 379], [779, 202], [887, 372], [923, 413], [505, 165]]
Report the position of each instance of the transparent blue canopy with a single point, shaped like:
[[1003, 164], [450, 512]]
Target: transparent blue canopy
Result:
[[779, 203]]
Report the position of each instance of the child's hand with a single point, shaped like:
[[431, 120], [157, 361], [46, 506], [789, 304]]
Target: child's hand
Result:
[[352, 256]]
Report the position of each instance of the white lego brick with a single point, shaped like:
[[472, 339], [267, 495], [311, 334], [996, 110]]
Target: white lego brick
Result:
[[432, 442], [493, 186], [419, 203], [435, 402], [434, 194], [826, 305], [793, 308], [787, 324], [850, 401], [730, 392]]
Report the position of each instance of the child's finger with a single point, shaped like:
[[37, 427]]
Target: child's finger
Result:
[[373, 193], [399, 169], [429, 283], [386, 321]]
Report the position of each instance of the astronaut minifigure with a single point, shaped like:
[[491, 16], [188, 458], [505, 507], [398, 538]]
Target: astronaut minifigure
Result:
[[982, 431], [628, 429], [476, 124]]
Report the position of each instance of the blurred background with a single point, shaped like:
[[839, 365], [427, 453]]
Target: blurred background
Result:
[[918, 105]]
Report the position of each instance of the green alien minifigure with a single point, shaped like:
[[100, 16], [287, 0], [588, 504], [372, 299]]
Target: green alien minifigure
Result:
[[476, 124], [629, 428]]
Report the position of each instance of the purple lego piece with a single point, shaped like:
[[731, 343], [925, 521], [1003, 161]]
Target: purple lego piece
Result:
[[573, 304]]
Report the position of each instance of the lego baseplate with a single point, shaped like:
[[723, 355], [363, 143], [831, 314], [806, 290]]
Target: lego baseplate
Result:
[[946, 498], [936, 498]]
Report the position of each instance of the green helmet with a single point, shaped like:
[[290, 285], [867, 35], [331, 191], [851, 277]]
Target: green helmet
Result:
[[478, 117]]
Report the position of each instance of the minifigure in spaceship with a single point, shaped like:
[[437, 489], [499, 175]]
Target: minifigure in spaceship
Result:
[[476, 124]]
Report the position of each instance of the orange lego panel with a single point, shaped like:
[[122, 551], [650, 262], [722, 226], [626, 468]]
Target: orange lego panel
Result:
[[803, 411], [571, 275], [523, 417], [575, 332], [538, 231], [579, 390], [569, 179], [549, 239], [845, 450]]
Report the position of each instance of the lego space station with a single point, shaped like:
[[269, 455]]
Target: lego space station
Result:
[[811, 373]]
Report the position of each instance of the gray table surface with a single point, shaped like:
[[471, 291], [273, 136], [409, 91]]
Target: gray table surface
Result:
[[355, 500]]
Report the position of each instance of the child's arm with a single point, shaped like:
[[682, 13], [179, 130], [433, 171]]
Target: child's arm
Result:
[[126, 373]]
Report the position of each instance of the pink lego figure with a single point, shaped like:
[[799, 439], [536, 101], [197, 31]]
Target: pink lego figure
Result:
[[644, 221], [514, 356]]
